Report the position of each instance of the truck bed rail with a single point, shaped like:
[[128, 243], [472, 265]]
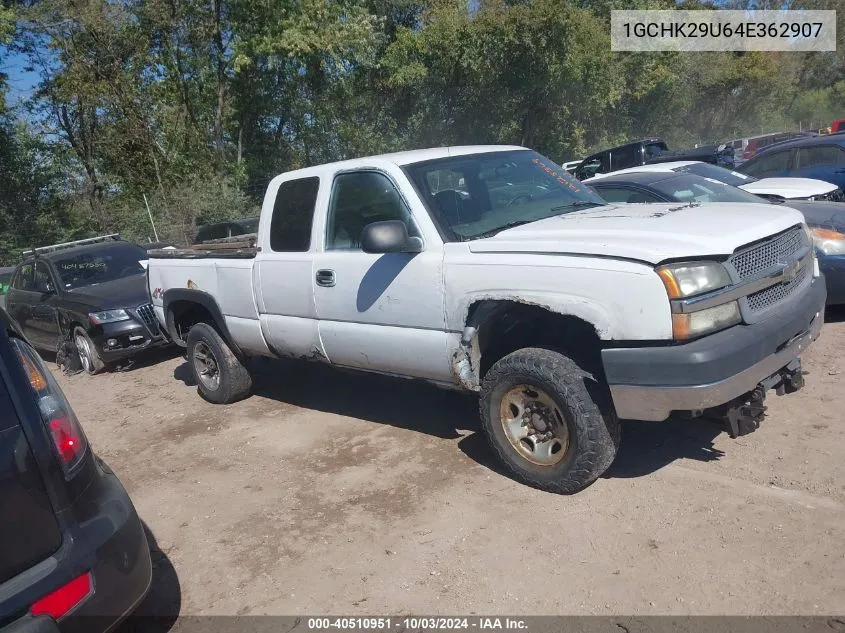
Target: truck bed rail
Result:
[[237, 247]]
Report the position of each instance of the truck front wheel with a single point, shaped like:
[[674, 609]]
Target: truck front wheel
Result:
[[220, 376], [552, 425]]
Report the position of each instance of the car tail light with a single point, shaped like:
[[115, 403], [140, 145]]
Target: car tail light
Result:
[[68, 438], [64, 599]]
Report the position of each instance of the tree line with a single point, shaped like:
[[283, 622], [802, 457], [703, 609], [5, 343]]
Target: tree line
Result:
[[191, 106]]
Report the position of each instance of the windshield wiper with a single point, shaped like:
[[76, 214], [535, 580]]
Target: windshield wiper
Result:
[[504, 227], [576, 205]]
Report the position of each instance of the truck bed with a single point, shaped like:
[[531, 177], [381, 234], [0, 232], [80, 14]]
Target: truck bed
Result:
[[238, 247]]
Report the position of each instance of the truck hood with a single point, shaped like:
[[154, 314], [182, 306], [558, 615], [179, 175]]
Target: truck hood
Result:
[[789, 187], [650, 233]]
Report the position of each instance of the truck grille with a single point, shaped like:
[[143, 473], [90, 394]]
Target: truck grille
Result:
[[760, 258], [783, 248], [772, 295], [148, 316]]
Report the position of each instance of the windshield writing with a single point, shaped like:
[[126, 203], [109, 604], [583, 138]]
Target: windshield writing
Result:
[[102, 265]]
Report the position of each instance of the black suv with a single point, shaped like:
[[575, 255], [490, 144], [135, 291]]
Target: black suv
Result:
[[93, 292], [73, 553]]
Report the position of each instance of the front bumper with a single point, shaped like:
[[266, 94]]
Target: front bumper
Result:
[[833, 267], [130, 336], [649, 383]]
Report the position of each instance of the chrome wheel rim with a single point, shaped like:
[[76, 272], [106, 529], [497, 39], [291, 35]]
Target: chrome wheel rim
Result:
[[206, 366], [534, 425], [84, 351]]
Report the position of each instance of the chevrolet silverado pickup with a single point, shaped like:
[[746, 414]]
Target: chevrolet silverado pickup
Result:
[[492, 270]]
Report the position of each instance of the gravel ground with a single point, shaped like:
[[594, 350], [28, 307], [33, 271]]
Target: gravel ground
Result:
[[330, 492]]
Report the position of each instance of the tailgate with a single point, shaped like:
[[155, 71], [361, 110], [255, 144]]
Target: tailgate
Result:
[[28, 529]]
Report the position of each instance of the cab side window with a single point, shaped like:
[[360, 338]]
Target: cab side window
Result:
[[819, 156], [770, 164], [43, 282], [359, 199], [23, 279], [293, 215]]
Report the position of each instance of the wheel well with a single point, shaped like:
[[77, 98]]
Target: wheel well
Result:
[[506, 326], [183, 315]]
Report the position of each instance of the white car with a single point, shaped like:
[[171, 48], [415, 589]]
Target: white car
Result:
[[789, 188], [489, 269]]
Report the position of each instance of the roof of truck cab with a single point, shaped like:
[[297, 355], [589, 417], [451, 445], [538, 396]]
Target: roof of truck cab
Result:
[[405, 158]]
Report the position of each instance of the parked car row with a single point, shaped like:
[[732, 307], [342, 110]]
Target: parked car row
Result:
[[821, 157], [795, 154]]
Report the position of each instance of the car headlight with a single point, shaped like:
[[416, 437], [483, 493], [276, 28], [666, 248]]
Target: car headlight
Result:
[[695, 324], [691, 278], [828, 241], [108, 316]]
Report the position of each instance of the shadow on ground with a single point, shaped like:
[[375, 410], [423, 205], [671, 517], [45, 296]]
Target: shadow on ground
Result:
[[423, 408], [406, 404], [160, 609], [649, 446]]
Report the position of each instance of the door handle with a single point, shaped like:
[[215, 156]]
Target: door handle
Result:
[[326, 278]]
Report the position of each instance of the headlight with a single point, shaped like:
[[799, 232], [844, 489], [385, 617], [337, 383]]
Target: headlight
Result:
[[694, 324], [827, 241], [692, 278], [108, 316]]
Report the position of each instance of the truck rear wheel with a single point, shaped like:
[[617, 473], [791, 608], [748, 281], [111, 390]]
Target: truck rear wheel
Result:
[[220, 376], [549, 429]]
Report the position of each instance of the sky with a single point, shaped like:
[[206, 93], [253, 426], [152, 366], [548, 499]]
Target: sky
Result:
[[21, 82]]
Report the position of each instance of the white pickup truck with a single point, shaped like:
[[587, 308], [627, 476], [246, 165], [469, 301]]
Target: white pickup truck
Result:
[[490, 269]]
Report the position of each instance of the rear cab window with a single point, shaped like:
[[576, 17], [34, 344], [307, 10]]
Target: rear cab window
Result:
[[293, 215]]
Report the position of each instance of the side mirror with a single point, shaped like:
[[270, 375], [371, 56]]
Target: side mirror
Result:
[[390, 236]]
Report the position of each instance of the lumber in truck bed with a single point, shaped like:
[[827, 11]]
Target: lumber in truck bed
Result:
[[237, 247]]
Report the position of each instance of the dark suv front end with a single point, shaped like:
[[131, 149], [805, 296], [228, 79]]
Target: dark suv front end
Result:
[[119, 339], [73, 553]]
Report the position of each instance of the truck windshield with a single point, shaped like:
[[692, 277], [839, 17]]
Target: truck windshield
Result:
[[101, 265], [477, 195]]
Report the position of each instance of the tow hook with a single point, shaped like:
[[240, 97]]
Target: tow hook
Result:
[[792, 379], [744, 415]]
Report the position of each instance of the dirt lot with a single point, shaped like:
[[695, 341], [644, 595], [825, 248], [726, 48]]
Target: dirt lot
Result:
[[353, 494]]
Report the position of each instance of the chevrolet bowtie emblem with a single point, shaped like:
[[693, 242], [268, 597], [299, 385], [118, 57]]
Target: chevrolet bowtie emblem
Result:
[[790, 272]]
